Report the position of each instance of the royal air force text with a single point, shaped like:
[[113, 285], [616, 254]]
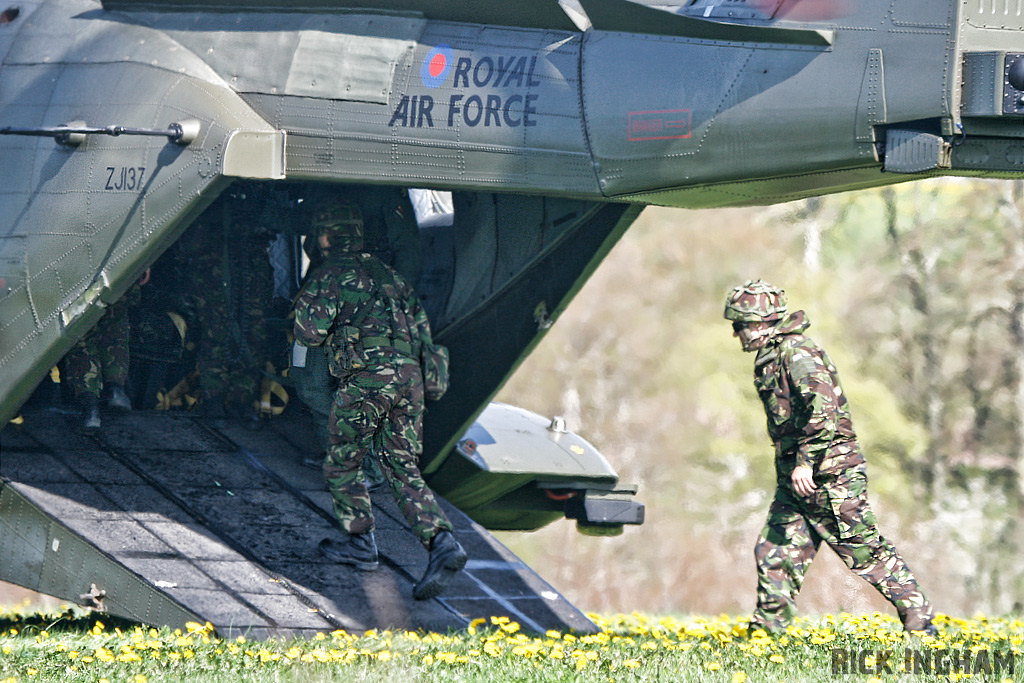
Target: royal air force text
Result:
[[417, 111]]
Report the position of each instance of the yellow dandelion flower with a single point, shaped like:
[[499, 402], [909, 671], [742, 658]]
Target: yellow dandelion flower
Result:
[[140, 679], [492, 649], [32, 672], [712, 666], [777, 659], [631, 663], [427, 660], [510, 627], [384, 655], [739, 677], [554, 635]]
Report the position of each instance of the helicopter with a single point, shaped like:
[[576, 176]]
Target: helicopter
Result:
[[551, 124]]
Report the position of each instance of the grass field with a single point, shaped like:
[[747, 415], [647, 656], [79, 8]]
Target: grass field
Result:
[[75, 646]]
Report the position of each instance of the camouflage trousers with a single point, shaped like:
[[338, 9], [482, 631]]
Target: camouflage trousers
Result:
[[230, 351], [837, 513], [102, 356], [382, 404], [314, 386], [232, 283]]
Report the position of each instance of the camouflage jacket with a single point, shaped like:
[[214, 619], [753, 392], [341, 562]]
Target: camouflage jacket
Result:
[[808, 417], [365, 311]]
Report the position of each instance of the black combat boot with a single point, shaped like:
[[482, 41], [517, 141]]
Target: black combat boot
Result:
[[358, 550], [118, 400], [447, 558], [90, 412]]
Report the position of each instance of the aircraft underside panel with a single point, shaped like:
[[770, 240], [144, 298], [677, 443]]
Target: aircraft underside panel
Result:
[[669, 118], [164, 518], [518, 301], [526, 13], [469, 107]]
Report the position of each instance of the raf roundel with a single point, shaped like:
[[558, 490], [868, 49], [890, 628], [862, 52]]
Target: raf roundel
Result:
[[437, 65]]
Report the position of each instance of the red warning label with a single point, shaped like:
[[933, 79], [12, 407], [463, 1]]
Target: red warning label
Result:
[[666, 124]]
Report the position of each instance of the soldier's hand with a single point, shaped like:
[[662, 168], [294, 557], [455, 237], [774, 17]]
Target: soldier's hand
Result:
[[803, 480]]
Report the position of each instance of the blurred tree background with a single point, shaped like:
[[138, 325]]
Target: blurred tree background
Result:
[[917, 292]]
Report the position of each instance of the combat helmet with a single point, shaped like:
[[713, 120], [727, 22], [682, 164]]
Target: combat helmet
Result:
[[755, 300], [342, 221]]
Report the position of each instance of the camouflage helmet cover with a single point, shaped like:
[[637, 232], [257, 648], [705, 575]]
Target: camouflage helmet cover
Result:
[[341, 220], [755, 300]]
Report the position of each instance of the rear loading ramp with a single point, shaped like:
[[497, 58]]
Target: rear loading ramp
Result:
[[165, 518]]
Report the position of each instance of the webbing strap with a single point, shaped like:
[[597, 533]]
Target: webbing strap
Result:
[[397, 344]]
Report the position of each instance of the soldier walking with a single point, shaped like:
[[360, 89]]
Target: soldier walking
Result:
[[375, 331], [821, 477]]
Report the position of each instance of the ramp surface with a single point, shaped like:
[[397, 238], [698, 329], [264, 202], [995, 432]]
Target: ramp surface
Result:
[[165, 518]]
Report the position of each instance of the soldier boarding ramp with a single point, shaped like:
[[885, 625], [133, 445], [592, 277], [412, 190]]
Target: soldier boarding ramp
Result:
[[165, 518]]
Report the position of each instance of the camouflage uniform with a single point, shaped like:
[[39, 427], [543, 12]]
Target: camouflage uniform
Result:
[[809, 423], [231, 284], [390, 233], [373, 324], [101, 358]]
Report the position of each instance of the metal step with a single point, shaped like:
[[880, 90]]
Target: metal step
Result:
[[165, 518], [911, 151]]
